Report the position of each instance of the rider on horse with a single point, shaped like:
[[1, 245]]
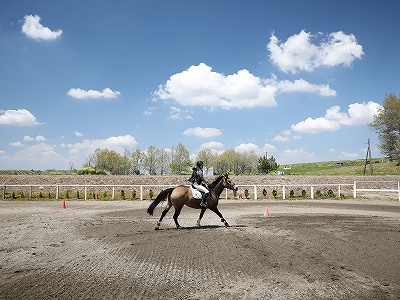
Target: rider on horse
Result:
[[197, 181]]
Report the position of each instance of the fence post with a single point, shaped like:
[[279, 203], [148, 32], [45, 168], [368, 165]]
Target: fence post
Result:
[[141, 192], [113, 193], [283, 192], [398, 188], [312, 192], [57, 191], [255, 192], [338, 192], [4, 192], [85, 193], [30, 192], [355, 190]]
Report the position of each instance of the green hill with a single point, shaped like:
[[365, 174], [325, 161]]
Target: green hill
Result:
[[350, 168]]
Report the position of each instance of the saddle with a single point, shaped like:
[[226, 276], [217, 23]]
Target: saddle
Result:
[[196, 193]]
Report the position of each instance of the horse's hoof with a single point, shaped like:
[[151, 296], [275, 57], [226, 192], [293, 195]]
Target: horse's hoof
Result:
[[179, 227], [226, 224]]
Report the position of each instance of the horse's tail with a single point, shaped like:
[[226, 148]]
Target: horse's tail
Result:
[[164, 194]]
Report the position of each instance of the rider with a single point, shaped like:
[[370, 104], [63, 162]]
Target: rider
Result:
[[197, 181]]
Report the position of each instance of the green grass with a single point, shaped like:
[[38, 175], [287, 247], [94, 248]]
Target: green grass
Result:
[[350, 168]]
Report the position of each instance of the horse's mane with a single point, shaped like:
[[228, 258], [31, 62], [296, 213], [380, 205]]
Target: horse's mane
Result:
[[215, 182]]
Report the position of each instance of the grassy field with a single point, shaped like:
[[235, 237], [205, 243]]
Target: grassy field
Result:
[[349, 168]]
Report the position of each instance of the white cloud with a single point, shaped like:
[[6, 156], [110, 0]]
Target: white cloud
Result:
[[301, 85], [211, 145], [349, 156], [77, 133], [250, 147], [16, 144], [295, 156], [268, 148], [203, 132], [358, 114], [281, 138], [149, 111], [177, 113], [200, 86], [107, 93], [33, 29], [299, 53], [40, 138], [19, 117], [117, 143], [28, 138]]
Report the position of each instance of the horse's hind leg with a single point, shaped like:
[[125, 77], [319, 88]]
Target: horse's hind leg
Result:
[[215, 209], [176, 215], [162, 216], [203, 210]]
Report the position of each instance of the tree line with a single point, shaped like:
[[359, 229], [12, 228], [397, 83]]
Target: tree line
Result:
[[176, 160]]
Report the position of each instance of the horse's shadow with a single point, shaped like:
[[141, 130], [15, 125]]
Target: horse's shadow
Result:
[[203, 227]]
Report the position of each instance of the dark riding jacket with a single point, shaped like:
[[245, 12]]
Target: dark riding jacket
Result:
[[197, 176]]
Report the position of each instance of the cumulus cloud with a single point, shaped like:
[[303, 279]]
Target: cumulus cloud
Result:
[[212, 145], [77, 133], [117, 143], [357, 114], [34, 30], [290, 156], [250, 147], [19, 117], [200, 86], [107, 93], [298, 53], [203, 132]]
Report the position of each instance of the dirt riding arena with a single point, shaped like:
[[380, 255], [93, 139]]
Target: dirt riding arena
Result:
[[309, 249]]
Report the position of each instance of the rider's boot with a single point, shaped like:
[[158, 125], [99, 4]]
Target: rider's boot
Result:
[[203, 200]]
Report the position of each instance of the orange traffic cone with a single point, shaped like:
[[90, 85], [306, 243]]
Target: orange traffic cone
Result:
[[64, 205], [266, 212]]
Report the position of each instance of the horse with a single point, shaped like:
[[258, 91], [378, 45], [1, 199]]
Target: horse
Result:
[[182, 195]]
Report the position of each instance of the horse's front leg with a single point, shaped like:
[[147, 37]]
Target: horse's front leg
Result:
[[203, 210], [215, 209]]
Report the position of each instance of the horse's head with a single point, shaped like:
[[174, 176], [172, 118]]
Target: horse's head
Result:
[[228, 183]]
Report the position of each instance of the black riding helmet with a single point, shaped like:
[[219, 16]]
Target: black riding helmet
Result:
[[199, 163]]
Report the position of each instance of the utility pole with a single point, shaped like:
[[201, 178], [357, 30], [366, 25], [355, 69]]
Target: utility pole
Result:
[[368, 159]]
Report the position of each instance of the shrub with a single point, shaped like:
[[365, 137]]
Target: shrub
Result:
[[13, 195], [133, 194], [40, 195], [67, 195], [123, 195], [77, 195], [274, 193], [303, 193], [319, 194], [151, 194], [330, 193], [246, 193], [291, 193], [264, 192], [22, 195]]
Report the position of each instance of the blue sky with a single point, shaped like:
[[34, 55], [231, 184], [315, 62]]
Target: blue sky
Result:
[[299, 80]]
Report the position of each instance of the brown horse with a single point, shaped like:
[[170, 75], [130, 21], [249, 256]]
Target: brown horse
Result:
[[182, 195]]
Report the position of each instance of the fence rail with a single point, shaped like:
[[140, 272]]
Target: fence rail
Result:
[[280, 189]]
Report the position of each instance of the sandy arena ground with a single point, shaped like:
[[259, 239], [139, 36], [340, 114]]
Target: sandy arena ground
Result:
[[328, 249]]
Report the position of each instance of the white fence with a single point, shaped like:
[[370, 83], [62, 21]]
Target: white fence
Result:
[[252, 190]]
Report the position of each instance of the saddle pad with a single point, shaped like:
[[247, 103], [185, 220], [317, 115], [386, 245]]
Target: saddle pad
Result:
[[196, 193]]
